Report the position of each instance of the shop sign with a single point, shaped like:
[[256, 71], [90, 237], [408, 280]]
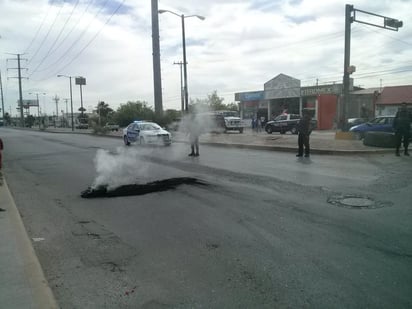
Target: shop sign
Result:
[[324, 89], [249, 96]]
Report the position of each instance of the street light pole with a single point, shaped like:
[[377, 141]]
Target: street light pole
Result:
[[71, 102], [184, 65], [182, 16], [71, 97], [182, 97]]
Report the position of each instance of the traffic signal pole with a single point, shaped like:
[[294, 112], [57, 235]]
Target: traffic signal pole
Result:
[[388, 23]]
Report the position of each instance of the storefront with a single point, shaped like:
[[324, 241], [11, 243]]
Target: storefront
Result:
[[323, 101], [284, 94]]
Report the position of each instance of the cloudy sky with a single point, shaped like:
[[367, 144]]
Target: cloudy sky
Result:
[[238, 47]]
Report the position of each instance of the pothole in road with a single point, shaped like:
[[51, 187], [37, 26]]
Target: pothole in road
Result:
[[356, 202], [140, 189]]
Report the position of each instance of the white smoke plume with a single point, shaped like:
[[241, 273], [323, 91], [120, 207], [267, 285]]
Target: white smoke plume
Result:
[[120, 168]]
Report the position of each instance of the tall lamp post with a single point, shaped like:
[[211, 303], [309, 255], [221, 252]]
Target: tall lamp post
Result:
[[71, 97], [182, 16], [180, 63]]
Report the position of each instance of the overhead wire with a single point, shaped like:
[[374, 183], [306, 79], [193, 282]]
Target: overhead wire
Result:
[[76, 41], [40, 26], [74, 27], [46, 36], [57, 38], [87, 45], [94, 37]]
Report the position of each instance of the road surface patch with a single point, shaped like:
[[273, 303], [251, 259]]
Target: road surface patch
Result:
[[140, 189]]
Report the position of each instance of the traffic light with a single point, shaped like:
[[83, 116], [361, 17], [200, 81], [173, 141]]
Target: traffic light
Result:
[[393, 23]]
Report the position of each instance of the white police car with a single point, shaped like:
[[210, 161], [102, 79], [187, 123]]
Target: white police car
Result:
[[144, 132]]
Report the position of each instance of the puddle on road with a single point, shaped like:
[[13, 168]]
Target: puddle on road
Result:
[[140, 189]]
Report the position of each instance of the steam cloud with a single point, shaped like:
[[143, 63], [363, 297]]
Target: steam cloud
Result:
[[127, 166], [116, 169]]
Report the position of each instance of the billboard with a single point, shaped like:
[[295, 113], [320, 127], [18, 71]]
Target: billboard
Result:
[[80, 81], [28, 103]]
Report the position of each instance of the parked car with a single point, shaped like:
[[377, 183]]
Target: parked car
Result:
[[111, 126], [379, 124], [283, 123], [144, 132], [351, 122]]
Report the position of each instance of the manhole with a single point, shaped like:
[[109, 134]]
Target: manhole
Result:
[[356, 201]]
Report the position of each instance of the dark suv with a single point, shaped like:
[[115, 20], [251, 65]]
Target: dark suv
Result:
[[283, 123]]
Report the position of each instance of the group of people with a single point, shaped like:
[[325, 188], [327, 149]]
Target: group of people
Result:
[[258, 123]]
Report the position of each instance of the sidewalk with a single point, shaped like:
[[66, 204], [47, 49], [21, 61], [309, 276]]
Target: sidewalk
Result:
[[22, 282]]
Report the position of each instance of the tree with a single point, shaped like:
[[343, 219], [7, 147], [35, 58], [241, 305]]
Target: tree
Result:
[[215, 102], [212, 103], [131, 111], [103, 110], [232, 107], [104, 113]]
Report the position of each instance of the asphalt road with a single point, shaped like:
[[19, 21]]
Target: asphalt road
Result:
[[260, 234]]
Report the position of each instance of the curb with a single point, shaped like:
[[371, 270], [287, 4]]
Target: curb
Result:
[[40, 292]]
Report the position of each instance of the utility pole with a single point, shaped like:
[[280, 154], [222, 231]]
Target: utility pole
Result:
[[182, 98], [56, 99], [2, 99], [157, 77], [66, 122], [20, 88]]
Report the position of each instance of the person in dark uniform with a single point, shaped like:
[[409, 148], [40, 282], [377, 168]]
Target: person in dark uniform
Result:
[[1, 148], [402, 127], [304, 130]]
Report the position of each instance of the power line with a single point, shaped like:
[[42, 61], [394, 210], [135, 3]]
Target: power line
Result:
[[46, 36], [57, 38], [92, 39], [385, 34], [74, 27], [76, 41], [38, 28]]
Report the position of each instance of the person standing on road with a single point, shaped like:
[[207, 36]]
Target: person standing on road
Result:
[[258, 125], [304, 130], [194, 133], [402, 127], [1, 149]]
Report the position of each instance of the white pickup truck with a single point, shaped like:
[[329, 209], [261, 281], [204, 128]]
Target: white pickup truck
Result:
[[112, 126]]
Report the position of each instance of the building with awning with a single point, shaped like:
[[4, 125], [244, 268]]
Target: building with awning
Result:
[[284, 94], [390, 99]]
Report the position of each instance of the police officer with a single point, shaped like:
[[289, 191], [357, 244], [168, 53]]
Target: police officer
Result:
[[402, 126], [304, 130], [1, 148]]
